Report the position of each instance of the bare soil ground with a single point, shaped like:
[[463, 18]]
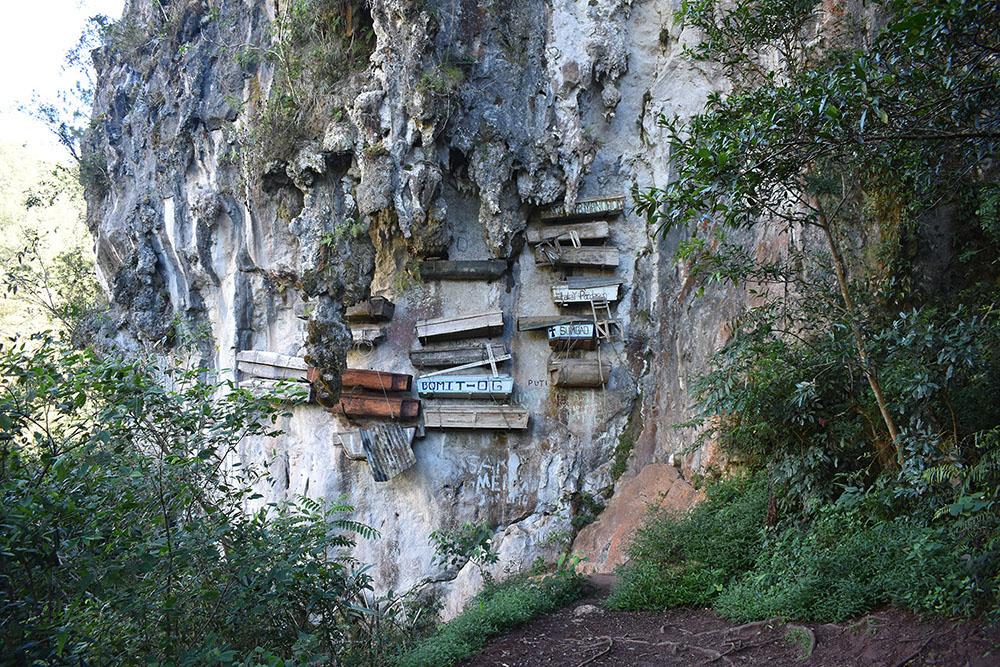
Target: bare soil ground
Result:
[[585, 634]]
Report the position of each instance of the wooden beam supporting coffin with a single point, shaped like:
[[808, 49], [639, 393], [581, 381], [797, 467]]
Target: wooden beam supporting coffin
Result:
[[465, 386], [585, 291], [375, 309], [573, 335], [271, 365], [496, 417], [377, 405], [598, 207], [582, 231], [535, 322], [594, 256], [477, 269], [463, 326], [441, 357], [375, 380], [579, 372]]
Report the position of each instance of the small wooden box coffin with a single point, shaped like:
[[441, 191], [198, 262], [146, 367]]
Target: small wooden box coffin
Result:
[[353, 449], [375, 309], [455, 355], [270, 365], [598, 207], [377, 405], [463, 326], [594, 256], [465, 386], [375, 380], [576, 335], [367, 336], [476, 269], [579, 372], [585, 290], [497, 417], [286, 391], [387, 449], [582, 231]]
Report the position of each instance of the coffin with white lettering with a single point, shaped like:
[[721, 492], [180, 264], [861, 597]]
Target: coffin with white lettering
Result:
[[586, 290], [576, 335], [465, 386]]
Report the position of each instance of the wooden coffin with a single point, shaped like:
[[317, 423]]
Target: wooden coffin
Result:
[[387, 449], [477, 269], [498, 417], [536, 322], [375, 380], [375, 309], [353, 449], [594, 256], [270, 365], [463, 326], [579, 372], [573, 335], [598, 207], [441, 357], [377, 405], [286, 391], [367, 336], [465, 386], [586, 290], [583, 231]]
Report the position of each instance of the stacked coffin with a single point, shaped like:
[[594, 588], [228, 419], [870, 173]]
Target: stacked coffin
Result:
[[579, 239], [269, 374], [365, 317]]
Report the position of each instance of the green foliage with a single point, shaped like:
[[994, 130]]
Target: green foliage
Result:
[[496, 610], [469, 542], [127, 533]]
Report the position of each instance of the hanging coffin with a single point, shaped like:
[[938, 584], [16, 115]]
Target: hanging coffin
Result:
[[593, 256], [375, 309], [270, 365], [367, 336], [286, 391], [477, 269], [585, 290], [353, 449], [575, 335], [376, 405], [387, 448], [440, 357], [579, 372], [375, 380], [465, 386], [463, 326], [598, 207], [496, 417], [583, 231]]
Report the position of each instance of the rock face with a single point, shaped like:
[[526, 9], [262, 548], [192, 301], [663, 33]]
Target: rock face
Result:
[[461, 119]]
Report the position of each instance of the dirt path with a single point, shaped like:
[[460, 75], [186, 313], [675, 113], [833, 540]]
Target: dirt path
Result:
[[587, 635]]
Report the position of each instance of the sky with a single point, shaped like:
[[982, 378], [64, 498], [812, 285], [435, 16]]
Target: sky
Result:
[[34, 38]]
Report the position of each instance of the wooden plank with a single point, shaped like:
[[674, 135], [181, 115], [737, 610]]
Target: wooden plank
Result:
[[387, 449], [286, 391], [584, 231], [497, 417], [597, 207], [575, 335], [440, 357], [355, 450], [270, 365], [463, 326], [563, 294], [376, 380], [367, 335], [465, 386], [593, 256], [375, 309], [375, 405], [535, 322], [579, 372], [477, 269]]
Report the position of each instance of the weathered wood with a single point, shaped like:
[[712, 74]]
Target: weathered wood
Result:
[[367, 335], [355, 450], [497, 417], [599, 256], [376, 405], [597, 207], [575, 335], [440, 357], [462, 326], [476, 269], [535, 322], [375, 380], [562, 293], [375, 309], [465, 386], [584, 231], [579, 372], [387, 449], [286, 391], [270, 365]]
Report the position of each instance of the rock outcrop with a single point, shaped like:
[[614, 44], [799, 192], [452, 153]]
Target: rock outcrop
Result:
[[459, 120]]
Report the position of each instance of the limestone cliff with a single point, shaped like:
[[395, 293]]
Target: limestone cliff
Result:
[[458, 121]]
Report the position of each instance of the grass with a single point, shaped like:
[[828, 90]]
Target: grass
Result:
[[496, 610]]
